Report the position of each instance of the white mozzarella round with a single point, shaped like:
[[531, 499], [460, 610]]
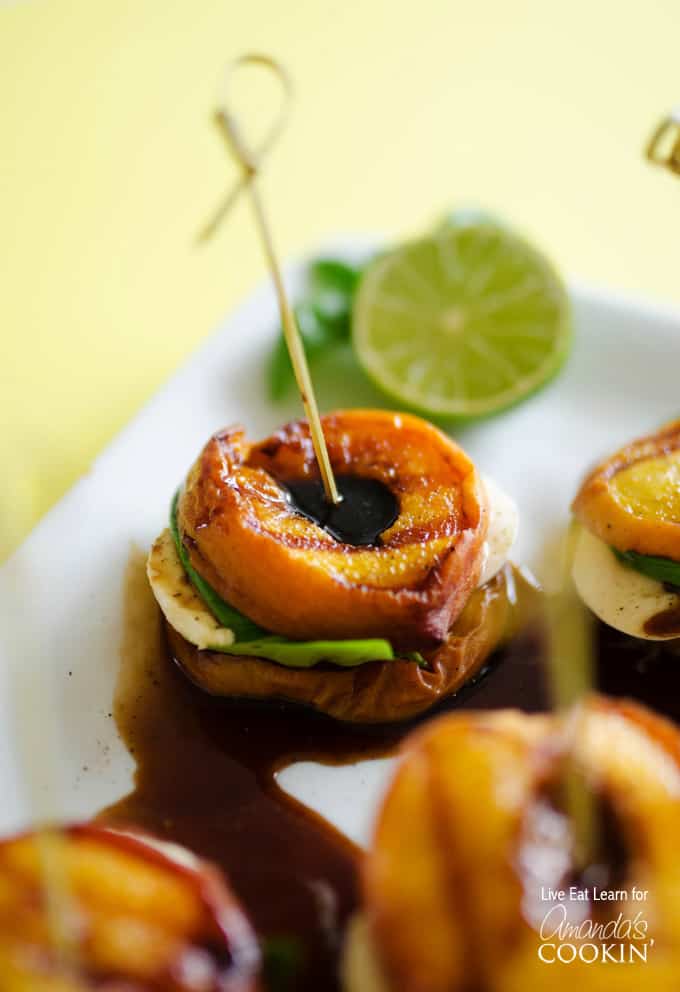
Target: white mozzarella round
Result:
[[618, 595], [182, 607], [502, 533]]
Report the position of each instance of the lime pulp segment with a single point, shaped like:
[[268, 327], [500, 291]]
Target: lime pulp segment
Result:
[[461, 323]]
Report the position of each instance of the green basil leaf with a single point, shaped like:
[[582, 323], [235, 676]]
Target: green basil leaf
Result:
[[323, 315], [334, 311], [314, 331], [316, 336], [331, 288], [332, 274], [243, 628], [418, 658], [662, 569], [307, 654], [283, 958]]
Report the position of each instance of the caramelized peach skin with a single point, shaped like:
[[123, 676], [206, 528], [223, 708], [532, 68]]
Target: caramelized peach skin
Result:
[[598, 509], [377, 692], [291, 577], [452, 884], [140, 919]]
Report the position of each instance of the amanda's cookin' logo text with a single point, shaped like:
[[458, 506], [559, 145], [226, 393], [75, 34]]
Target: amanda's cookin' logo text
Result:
[[568, 935]]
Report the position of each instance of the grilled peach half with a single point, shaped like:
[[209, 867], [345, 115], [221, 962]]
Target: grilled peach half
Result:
[[632, 500], [292, 577], [470, 844], [122, 913]]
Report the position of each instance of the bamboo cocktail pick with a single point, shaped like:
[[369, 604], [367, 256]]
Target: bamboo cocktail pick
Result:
[[570, 670], [663, 148], [250, 161]]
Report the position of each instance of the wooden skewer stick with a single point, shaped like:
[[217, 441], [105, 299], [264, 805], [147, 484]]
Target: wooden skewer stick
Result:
[[571, 677], [249, 163], [256, 155], [663, 147]]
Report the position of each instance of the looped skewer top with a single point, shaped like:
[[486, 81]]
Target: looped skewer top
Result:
[[250, 161], [663, 147]]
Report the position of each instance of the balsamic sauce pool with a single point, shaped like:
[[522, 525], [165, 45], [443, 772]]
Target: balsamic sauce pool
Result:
[[366, 509], [206, 769]]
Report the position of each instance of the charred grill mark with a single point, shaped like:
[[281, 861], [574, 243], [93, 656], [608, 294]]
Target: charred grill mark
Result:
[[270, 448]]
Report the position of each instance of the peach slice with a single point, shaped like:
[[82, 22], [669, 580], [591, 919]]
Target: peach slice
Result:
[[292, 577]]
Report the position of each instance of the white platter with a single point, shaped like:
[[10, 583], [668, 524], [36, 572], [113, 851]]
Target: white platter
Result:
[[62, 590]]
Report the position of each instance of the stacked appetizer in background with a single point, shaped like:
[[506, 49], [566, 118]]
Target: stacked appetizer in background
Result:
[[122, 912], [627, 555], [468, 881]]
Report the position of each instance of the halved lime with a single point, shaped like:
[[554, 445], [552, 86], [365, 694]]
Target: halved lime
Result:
[[462, 323]]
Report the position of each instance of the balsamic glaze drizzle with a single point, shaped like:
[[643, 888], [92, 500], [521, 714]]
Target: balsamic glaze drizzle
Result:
[[367, 508], [206, 770]]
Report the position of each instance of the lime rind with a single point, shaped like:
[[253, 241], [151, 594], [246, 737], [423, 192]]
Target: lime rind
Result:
[[462, 324]]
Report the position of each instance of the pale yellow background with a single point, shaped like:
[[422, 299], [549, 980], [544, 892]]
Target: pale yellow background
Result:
[[108, 164]]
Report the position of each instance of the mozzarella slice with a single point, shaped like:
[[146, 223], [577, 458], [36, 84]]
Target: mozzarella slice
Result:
[[502, 533], [623, 598], [182, 607]]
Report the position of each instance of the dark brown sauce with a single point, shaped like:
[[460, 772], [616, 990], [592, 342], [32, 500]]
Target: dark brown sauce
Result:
[[205, 779], [367, 508], [205, 770], [647, 671], [611, 860], [625, 667], [666, 623]]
